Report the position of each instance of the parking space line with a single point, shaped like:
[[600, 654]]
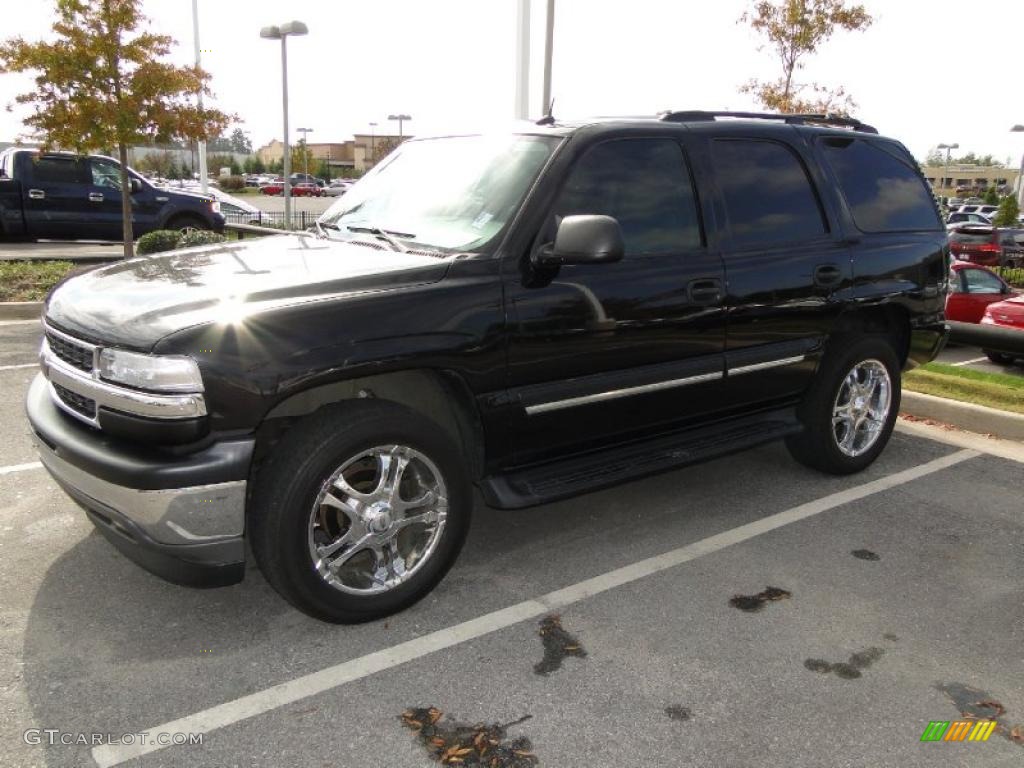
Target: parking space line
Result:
[[17, 367], [276, 696], [19, 322], [970, 362], [20, 467]]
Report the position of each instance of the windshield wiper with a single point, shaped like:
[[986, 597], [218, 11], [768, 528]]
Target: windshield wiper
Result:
[[388, 235], [321, 226]]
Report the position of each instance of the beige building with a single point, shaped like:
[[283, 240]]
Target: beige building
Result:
[[359, 153], [970, 180]]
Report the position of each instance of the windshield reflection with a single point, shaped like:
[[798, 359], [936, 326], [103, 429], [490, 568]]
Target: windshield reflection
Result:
[[451, 194]]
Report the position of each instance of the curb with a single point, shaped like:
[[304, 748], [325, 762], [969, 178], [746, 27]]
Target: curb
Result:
[[966, 416], [20, 310]]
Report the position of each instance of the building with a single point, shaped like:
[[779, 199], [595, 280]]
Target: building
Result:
[[360, 153], [970, 180]]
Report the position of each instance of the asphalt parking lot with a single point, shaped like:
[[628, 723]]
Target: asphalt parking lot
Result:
[[904, 607]]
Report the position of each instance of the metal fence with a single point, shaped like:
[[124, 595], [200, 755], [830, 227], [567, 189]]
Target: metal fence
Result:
[[275, 220]]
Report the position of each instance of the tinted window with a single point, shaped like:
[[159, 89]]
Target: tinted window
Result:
[[768, 196], [60, 170], [881, 186], [971, 236], [980, 281], [645, 185]]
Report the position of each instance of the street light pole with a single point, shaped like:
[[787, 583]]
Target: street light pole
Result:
[[945, 170], [549, 47], [400, 118], [521, 104], [203, 183], [281, 33]]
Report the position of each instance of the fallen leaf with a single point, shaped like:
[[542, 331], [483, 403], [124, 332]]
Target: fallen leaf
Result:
[[990, 704], [1017, 734]]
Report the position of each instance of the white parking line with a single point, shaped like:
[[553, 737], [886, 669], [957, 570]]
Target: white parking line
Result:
[[355, 669], [19, 322], [970, 362], [20, 467], [17, 367]]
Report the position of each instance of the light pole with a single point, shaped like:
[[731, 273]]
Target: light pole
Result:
[[203, 183], [373, 144], [521, 102], [1020, 174], [305, 149], [945, 169], [281, 33], [549, 47], [401, 119]]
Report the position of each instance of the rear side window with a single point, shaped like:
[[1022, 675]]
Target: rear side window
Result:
[[61, 170], [980, 281], [768, 196], [882, 187], [646, 185]]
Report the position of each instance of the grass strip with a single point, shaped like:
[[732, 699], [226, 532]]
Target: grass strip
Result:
[[30, 280], [956, 383]]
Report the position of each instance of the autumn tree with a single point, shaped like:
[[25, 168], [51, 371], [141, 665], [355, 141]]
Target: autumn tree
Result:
[[101, 82], [301, 158], [795, 30]]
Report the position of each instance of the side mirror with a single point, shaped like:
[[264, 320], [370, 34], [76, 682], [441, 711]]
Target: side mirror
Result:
[[135, 185], [589, 239]]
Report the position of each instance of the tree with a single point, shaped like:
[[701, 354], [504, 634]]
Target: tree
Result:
[[796, 29], [991, 197], [1008, 213], [240, 142], [302, 157], [101, 82]]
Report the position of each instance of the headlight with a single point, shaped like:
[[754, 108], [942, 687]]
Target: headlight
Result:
[[215, 206], [153, 372]]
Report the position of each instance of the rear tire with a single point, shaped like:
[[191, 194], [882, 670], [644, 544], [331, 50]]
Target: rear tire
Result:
[[850, 410], [329, 533], [998, 357]]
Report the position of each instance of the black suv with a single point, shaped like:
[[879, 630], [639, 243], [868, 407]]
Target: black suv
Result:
[[537, 314]]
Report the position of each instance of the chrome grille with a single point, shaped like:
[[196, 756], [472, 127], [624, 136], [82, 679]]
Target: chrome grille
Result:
[[76, 402], [73, 354]]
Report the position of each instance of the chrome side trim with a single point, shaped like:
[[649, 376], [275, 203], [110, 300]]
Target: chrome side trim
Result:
[[201, 513], [613, 394], [119, 398], [763, 366]]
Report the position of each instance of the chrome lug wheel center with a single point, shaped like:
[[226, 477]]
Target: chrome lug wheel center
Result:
[[378, 517]]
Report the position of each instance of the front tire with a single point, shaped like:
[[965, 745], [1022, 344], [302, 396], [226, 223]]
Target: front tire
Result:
[[188, 223], [850, 410], [360, 511]]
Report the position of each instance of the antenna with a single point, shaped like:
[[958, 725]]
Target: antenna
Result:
[[549, 118]]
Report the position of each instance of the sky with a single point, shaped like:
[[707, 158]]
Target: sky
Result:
[[915, 74]]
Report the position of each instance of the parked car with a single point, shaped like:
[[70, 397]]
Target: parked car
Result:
[[275, 187], [985, 210], [976, 243], [235, 209], [583, 304], [1009, 314], [306, 189], [971, 290], [60, 195], [337, 188], [956, 219]]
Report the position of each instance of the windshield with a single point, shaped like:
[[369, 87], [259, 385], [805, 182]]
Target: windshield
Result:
[[450, 194]]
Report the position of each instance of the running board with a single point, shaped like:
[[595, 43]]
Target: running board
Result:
[[564, 478]]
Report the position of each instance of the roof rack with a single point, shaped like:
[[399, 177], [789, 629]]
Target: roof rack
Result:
[[693, 116]]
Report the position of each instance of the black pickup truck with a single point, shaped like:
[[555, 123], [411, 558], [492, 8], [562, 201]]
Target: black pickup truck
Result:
[[538, 314], [62, 196]]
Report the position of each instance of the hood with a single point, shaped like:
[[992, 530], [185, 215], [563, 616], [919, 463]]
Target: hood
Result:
[[136, 303]]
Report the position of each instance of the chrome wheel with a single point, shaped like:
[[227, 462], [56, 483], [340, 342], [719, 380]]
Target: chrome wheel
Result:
[[861, 407], [377, 520]]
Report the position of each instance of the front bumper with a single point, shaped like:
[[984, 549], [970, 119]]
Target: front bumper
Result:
[[180, 517]]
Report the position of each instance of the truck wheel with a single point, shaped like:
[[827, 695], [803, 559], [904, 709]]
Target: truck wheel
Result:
[[850, 410], [360, 511], [997, 357], [188, 223]]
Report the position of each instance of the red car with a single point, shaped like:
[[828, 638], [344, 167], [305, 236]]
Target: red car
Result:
[[1007, 314], [306, 189], [971, 290], [275, 187]]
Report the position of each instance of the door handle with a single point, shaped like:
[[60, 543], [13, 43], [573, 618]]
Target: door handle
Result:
[[96, 197], [36, 194], [827, 275], [704, 292]]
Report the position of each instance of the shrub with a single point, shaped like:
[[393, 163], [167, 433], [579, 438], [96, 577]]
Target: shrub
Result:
[[196, 237], [232, 183], [1008, 212], [158, 241]]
